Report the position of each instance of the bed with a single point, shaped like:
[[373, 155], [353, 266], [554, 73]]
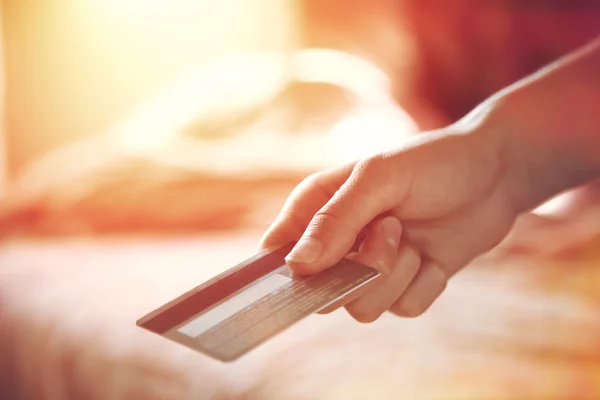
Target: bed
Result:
[[507, 328], [94, 237]]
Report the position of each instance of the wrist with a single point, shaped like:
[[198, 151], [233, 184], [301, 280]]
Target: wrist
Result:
[[546, 129], [540, 157]]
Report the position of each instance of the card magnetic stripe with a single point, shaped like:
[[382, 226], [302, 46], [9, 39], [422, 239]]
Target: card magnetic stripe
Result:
[[213, 291]]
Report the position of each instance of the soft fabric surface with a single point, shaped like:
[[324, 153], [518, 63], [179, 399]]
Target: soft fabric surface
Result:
[[218, 150], [507, 328]]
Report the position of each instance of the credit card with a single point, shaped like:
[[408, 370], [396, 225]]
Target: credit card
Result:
[[243, 307]]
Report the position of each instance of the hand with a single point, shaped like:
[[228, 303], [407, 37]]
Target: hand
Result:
[[447, 188]]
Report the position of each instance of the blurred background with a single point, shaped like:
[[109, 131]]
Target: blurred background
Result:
[[75, 67], [196, 105], [194, 119], [109, 102]]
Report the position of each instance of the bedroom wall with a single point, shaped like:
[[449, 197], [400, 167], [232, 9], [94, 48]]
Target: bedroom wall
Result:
[[75, 66]]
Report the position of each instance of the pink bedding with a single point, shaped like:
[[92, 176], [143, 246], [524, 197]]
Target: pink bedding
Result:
[[506, 328]]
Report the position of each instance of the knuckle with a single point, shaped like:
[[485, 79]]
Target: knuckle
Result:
[[363, 315], [409, 309], [322, 224], [411, 256], [309, 183], [437, 275], [408, 261], [330, 220], [415, 304], [383, 265], [331, 212], [371, 166]]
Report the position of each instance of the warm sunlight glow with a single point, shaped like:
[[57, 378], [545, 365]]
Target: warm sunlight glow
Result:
[[232, 83], [80, 66], [554, 205], [240, 81], [149, 7], [369, 132]]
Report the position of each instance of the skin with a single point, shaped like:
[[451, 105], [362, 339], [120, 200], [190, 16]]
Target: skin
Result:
[[433, 205]]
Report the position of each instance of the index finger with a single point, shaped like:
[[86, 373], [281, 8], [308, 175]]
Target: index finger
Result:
[[302, 205]]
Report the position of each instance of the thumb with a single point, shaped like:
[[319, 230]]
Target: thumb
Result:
[[371, 189]]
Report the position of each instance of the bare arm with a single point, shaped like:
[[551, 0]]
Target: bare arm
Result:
[[434, 204], [548, 128]]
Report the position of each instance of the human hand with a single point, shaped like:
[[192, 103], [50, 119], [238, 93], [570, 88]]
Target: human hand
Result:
[[457, 190], [446, 187]]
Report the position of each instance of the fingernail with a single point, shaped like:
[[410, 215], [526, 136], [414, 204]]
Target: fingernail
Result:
[[307, 250], [392, 230]]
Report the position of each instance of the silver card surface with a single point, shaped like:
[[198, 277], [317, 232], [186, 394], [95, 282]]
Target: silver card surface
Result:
[[243, 307]]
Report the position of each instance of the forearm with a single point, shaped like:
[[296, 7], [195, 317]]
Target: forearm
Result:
[[548, 128]]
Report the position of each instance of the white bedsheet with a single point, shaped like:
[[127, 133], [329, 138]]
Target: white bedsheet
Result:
[[68, 311]]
